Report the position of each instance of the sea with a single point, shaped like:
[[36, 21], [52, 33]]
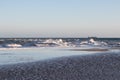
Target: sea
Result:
[[24, 50]]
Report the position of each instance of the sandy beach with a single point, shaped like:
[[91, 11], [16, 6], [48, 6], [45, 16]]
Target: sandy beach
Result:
[[103, 66]]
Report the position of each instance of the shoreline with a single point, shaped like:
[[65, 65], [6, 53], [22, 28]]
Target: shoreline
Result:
[[91, 49], [103, 66]]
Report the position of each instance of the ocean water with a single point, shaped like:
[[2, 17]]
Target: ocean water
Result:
[[19, 50]]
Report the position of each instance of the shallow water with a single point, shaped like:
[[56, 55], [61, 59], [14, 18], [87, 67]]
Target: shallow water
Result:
[[19, 55]]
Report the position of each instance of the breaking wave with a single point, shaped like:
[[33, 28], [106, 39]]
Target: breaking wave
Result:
[[57, 42]]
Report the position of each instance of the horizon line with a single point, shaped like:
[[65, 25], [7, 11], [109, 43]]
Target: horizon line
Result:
[[55, 37]]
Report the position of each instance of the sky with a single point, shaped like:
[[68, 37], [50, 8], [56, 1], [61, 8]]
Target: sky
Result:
[[59, 18]]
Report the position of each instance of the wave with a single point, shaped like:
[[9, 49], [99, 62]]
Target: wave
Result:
[[58, 42], [92, 42], [13, 45]]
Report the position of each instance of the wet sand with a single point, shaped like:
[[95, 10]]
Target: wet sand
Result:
[[92, 49], [103, 66]]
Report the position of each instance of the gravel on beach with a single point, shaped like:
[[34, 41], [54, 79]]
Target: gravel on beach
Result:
[[103, 66]]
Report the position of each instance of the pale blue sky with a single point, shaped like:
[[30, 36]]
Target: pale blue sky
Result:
[[59, 18]]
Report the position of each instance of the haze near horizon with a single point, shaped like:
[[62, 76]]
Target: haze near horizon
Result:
[[59, 18]]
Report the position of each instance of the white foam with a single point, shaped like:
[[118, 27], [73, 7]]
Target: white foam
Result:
[[92, 42], [13, 45]]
